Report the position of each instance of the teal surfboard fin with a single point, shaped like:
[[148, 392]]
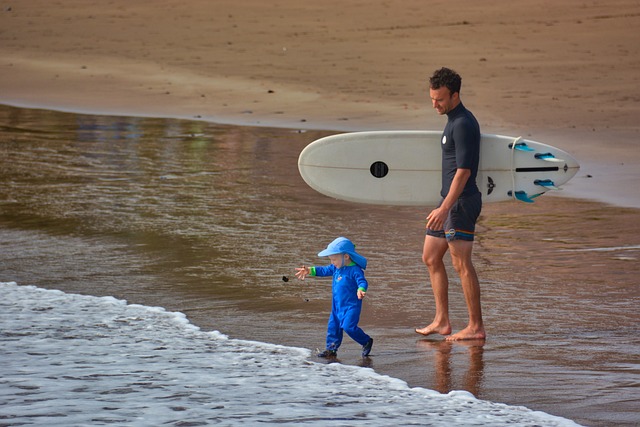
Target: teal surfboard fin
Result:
[[522, 196], [548, 157], [521, 146], [546, 183]]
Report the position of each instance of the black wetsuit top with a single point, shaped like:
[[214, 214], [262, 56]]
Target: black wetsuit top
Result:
[[460, 149]]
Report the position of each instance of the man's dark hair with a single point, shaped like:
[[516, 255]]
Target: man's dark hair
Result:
[[446, 77]]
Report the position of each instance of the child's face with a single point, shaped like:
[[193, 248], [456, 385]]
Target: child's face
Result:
[[337, 260]]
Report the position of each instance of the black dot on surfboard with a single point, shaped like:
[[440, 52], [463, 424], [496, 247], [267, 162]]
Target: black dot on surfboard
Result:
[[379, 169]]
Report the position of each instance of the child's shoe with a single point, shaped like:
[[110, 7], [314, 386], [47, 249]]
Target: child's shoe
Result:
[[366, 349], [328, 353]]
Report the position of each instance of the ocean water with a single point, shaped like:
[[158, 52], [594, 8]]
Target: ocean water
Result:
[[207, 220], [77, 360]]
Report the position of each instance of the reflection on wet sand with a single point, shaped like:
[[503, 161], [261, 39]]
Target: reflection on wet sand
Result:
[[441, 352], [206, 220]]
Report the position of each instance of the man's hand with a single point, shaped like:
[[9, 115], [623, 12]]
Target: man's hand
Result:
[[436, 219]]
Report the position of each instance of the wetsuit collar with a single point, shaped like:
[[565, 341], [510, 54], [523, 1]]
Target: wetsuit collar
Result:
[[453, 113]]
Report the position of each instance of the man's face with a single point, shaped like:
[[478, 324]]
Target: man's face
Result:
[[442, 100]]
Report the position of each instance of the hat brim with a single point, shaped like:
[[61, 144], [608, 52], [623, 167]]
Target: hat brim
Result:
[[355, 257]]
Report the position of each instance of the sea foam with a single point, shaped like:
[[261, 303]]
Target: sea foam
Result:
[[77, 360]]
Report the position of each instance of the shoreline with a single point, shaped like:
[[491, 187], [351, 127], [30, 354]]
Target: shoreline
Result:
[[588, 184], [559, 74]]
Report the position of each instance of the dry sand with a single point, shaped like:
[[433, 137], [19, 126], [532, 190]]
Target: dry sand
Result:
[[564, 73]]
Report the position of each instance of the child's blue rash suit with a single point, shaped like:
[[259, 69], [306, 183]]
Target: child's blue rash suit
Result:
[[345, 307]]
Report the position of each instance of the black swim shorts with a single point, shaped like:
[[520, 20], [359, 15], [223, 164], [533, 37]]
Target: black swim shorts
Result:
[[461, 222]]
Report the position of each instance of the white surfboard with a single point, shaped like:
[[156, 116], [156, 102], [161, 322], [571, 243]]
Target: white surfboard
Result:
[[404, 167]]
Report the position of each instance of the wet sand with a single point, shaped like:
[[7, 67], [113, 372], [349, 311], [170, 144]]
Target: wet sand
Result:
[[207, 220], [563, 74]]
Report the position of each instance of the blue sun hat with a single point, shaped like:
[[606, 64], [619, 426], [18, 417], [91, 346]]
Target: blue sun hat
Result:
[[342, 245]]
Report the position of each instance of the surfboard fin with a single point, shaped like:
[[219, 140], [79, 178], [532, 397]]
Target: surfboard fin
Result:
[[548, 157], [522, 196], [521, 146], [546, 183]]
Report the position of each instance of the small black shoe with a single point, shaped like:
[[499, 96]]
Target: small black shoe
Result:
[[328, 353], [366, 349]]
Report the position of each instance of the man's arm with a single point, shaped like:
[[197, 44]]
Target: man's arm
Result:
[[437, 217]]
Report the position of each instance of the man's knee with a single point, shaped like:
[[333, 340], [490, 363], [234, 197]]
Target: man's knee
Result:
[[461, 266], [433, 252], [461, 255], [432, 261]]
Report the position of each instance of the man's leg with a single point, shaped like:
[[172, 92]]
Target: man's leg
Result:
[[461, 258], [432, 255]]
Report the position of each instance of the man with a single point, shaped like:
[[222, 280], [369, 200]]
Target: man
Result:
[[451, 226]]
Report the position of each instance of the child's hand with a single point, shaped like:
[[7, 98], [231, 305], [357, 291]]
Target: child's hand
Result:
[[361, 293], [302, 272]]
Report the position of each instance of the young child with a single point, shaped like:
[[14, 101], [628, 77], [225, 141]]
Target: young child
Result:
[[348, 288]]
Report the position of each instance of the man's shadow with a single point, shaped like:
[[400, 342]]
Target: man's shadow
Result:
[[442, 352]]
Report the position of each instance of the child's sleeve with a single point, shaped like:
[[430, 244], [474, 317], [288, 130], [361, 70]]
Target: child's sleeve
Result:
[[321, 271], [361, 281]]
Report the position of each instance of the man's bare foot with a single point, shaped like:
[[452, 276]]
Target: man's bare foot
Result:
[[468, 334], [434, 329]]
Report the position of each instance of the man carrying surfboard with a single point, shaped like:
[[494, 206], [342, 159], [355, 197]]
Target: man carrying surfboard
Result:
[[451, 226]]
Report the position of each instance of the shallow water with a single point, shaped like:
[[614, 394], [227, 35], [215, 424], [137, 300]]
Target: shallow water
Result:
[[206, 220], [82, 360]]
